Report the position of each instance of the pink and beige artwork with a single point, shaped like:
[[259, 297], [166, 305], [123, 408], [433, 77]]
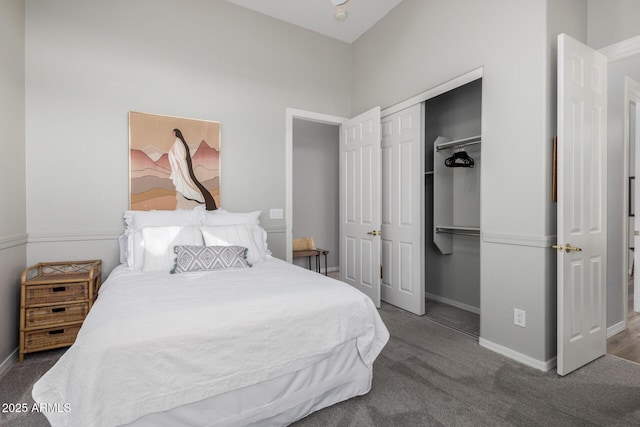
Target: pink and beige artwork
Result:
[[174, 162]]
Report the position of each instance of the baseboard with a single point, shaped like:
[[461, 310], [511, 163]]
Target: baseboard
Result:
[[519, 357], [6, 364], [453, 303], [616, 329]]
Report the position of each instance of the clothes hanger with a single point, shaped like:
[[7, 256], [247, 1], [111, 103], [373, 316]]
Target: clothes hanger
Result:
[[459, 159]]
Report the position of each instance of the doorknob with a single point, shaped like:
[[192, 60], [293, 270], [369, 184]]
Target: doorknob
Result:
[[567, 248], [375, 233]]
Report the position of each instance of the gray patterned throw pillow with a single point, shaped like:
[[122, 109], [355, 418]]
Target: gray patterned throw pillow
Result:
[[197, 258]]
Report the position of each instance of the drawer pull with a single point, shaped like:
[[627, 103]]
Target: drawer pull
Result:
[[59, 289], [58, 309], [56, 332]]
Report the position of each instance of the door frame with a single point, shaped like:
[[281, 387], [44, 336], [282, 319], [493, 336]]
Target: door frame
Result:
[[616, 52], [290, 114]]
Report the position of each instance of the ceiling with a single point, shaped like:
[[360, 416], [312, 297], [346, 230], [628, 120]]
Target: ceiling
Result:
[[319, 15]]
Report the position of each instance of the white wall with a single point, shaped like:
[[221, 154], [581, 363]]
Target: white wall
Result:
[[13, 236], [422, 44], [90, 62], [611, 21], [316, 174]]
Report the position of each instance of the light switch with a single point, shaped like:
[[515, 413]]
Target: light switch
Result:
[[276, 214]]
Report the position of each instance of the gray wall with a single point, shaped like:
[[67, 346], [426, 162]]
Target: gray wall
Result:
[[611, 21], [423, 43], [90, 62], [316, 173], [13, 234]]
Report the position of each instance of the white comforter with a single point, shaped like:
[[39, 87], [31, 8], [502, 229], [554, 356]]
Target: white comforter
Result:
[[154, 341]]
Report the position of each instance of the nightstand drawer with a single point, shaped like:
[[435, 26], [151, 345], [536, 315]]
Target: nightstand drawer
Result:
[[56, 293], [44, 316], [50, 337]]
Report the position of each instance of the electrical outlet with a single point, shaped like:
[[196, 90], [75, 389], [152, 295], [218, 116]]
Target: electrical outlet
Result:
[[519, 317]]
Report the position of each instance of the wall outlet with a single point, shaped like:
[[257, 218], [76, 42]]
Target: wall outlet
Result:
[[519, 317]]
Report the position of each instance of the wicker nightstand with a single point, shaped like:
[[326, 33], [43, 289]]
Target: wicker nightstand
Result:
[[55, 297]]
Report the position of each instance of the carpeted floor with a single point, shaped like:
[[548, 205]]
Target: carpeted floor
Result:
[[453, 317], [431, 375]]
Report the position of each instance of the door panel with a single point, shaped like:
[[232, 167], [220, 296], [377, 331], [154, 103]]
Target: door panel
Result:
[[402, 225], [582, 159], [360, 201]]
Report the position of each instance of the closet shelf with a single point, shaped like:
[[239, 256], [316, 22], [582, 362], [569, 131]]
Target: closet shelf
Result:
[[459, 142], [458, 230]]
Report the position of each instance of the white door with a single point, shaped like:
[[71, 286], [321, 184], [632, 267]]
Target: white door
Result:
[[633, 109], [582, 198], [360, 200], [402, 214]]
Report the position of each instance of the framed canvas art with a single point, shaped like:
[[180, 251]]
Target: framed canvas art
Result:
[[174, 163]]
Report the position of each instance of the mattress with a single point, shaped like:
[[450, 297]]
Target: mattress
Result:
[[176, 340]]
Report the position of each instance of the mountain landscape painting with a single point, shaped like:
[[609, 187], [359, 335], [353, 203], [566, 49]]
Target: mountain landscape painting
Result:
[[174, 162]]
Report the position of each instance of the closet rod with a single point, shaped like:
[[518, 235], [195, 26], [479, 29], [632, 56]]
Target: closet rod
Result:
[[459, 143]]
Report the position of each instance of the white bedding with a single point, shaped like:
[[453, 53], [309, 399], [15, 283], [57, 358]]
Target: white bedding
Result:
[[154, 341]]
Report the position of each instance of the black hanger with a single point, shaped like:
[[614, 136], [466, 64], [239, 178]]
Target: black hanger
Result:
[[460, 159]]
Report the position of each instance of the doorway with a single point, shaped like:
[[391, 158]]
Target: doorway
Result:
[[624, 339], [315, 173]]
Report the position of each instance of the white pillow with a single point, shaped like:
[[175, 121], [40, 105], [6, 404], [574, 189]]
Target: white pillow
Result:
[[224, 217], [233, 235], [160, 241], [137, 220]]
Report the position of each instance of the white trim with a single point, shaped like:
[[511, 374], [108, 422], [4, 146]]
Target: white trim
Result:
[[622, 50], [275, 230], [12, 241], [73, 236], [6, 364], [438, 90], [544, 366], [290, 114], [616, 329], [453, 303], [520, 240]]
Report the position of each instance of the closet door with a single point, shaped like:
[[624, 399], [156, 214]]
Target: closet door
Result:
[[360, 203], [402, 212], [582, 204]]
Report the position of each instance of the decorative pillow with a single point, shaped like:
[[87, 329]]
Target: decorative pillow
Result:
[[233, 235], [303, 244], [197, 258], [159, 243]]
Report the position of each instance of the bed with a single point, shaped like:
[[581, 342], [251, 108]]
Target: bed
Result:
[[265, 344]]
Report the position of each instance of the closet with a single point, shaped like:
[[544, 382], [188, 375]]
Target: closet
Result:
[[453, 164]]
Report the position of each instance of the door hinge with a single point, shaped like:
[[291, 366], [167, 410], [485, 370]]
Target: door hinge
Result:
[[381, 272]]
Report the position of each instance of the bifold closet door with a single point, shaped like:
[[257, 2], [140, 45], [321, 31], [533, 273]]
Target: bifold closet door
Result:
[[402, 209], [360, 203]]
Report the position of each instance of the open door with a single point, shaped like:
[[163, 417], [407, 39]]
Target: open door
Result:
[[360, 203], [582, 210]]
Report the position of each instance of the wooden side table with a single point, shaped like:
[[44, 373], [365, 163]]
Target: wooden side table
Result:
[[314, 252], [55, 298]]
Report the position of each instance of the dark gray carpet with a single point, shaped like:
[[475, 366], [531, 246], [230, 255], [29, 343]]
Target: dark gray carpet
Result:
[[431, 375], [453, 317]]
